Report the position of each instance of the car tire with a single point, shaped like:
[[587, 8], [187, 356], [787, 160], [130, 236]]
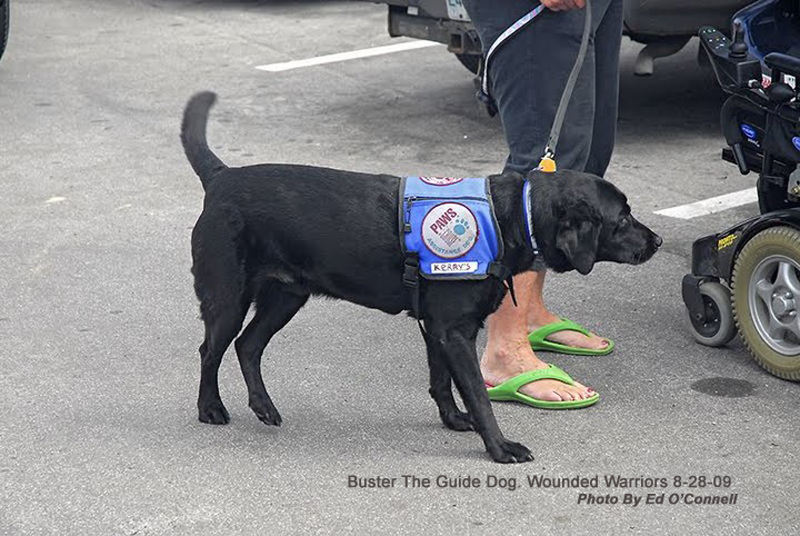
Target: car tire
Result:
[[471, 61]]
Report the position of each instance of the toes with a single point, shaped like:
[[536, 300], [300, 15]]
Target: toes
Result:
[[555, 391], [565, 395], [269, 417], [265, 410], [213, 414], [510, 452], [269, 420], [457, 420]]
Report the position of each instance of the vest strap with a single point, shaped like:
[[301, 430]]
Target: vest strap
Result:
[[411, 280], [501, 272]]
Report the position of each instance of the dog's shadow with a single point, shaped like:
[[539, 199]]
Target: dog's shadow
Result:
[[307, 430]]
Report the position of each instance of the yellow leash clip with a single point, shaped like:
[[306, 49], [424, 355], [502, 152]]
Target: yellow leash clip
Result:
[[547, 164]]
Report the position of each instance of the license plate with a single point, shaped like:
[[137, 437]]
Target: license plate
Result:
[[456, 11]]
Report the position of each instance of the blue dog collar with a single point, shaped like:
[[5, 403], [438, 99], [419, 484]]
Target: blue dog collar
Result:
[[526, 213]]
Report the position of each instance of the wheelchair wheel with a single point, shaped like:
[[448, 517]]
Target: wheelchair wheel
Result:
[[717, 328], [766, 299]]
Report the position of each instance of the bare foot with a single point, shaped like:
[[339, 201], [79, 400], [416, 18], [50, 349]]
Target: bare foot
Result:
[[506, 359], [508, 352], [567, 336]]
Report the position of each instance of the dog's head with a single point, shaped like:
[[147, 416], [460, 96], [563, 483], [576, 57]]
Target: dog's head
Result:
[[586, 220]]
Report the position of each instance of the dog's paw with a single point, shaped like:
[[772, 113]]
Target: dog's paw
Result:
[[267, 415], [214, 413], [510, 452], [459, 421]]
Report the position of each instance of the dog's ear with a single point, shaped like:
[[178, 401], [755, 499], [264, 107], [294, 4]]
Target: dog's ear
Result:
[[578, 235]]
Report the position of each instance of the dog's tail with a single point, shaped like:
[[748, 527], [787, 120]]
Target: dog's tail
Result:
[[193, 135]]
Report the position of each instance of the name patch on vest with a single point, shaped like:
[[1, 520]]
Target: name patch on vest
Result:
[[454, 267], [449, 230]]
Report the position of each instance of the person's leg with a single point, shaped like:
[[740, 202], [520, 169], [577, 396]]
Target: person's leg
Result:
[[508, 352], [539, 315], [587, 138], [528, 73], [527, 76], [604, 106], [608, 38]]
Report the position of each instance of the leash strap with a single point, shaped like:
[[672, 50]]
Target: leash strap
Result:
[[548, 162], [510, 31], [555, 130]]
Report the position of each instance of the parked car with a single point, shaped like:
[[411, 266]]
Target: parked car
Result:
[[664, 26], [4, 16]]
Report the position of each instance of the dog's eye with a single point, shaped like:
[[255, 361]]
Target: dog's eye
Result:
[[624, 222]]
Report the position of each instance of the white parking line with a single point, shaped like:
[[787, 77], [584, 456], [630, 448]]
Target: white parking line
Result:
[[344, 56], [712, 205]]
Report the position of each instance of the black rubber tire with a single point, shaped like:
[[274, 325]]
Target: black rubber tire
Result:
[[4, 16], [775, 240], [721, 329], [471, 61]]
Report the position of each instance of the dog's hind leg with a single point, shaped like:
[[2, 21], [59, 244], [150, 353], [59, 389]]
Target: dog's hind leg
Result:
[[219, 334], [458, 350], [275, 307], [219, 283], [442, 389]]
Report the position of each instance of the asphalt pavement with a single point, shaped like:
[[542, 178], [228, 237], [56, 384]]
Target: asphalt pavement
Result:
[[99, 323]]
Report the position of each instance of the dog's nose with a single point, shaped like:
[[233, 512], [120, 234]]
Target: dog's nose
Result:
[[658, 241]]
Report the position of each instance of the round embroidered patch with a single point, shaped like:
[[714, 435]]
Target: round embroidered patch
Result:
[[440, 181], [449, 230]]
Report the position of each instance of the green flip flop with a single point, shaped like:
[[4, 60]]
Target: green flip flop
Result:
[[538, 339], [509, 390]]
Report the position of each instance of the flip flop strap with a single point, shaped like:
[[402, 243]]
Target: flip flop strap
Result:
[[552, 372], [565, 325]]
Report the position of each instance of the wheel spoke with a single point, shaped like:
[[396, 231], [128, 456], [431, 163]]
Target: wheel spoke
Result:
[[764, 289], [793, 327], [775, 328], [787, 277]]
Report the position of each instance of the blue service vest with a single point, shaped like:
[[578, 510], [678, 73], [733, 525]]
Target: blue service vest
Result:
[[450, 224]]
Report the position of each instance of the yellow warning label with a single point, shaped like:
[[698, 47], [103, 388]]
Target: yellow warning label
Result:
[[726, 241]]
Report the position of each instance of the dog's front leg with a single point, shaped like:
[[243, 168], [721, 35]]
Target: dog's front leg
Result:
[[442, 389], [461, 357]]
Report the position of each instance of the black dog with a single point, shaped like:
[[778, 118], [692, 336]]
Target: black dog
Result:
[[275, 234]]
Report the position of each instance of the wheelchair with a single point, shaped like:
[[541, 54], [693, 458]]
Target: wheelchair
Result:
[[746, 279]]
